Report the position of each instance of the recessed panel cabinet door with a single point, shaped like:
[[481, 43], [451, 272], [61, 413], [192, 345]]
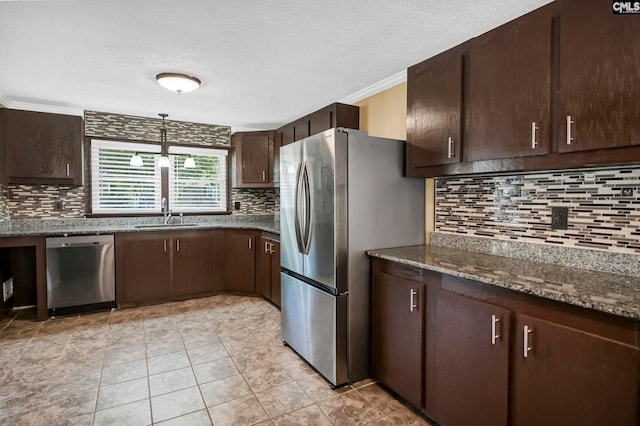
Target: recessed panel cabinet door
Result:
[[599, 77], [193, 264], [275, 273], [434, 102], [398, 310], [570, 377], [508, 93], [264, 268], [472, 361]]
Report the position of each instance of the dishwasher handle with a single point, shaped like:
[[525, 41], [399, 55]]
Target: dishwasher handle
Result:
[[64, 245]]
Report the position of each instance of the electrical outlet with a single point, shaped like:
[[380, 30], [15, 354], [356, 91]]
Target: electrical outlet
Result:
[[559, 217], [58, 205], [236, 205], [7, 289], [627, 192]]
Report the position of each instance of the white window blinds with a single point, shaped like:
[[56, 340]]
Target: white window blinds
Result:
[[202, 188], [118, 187]]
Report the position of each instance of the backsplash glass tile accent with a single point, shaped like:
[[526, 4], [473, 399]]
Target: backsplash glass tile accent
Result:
[[255, 201], [518, 207], [39, 201], [3, 203], [118, 126]]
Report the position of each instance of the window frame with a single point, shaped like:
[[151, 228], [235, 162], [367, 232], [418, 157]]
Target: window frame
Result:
[[164, 178]]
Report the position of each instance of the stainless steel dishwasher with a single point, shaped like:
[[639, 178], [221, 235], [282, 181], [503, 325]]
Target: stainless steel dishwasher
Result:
[[80, 274]]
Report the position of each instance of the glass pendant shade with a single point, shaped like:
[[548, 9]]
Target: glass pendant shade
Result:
[[176, 82], [136, 160], [189, 163], [163, 161]]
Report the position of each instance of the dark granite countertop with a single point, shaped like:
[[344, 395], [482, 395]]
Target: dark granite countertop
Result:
[[607, 292], [60, 228]]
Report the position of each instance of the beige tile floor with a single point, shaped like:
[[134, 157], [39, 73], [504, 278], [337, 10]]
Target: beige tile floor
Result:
[[216, 360]]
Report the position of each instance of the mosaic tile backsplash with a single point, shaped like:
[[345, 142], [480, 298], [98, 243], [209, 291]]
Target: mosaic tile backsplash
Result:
[[3, 201], [108, 125], [518, 207], [39, 201], [256, 201]]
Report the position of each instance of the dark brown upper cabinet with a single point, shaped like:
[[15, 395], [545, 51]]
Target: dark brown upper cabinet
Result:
[[508, 92], [334, 115], [434, 106], [42, 148], [598, 79], [252, 163]]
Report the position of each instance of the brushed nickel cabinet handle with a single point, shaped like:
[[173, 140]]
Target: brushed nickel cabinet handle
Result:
[[250, 243], [177, 245], [494, 335], [266, 247], [412, 305], [569, 123], [68, 169], [264, 176], [526, 348], [165, 246], [534, 142], [450, 148]]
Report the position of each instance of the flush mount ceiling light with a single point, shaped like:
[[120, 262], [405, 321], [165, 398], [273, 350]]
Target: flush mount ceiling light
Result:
[[177, 82], [163, 161]]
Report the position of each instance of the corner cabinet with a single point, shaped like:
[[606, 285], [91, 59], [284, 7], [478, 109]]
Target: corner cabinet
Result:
[[472, 353], [42, 148], [269, 269], [253, 159], [154, 267]]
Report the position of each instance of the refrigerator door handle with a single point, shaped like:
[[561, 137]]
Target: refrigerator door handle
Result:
[[296, 204], [308, 208]]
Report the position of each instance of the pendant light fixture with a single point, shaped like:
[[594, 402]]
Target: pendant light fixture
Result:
[[163, 161], [189, 163], [177, 82], [136, 160]]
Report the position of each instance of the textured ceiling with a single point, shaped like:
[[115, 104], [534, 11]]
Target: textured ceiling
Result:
[[263, 63]]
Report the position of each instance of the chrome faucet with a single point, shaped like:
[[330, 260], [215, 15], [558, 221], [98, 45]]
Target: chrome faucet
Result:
[[165, 211]]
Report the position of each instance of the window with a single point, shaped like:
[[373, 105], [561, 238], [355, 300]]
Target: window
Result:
[[117, 187], [199, 189]]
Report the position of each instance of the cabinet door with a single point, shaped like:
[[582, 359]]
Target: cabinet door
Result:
[[301, 129], [43, 148], [143, 269], [508, 93], [397, 335], [434, 104], [287, 134], [264, 268], [193, 260], [255, 158], [240, 261], [572, 377], [321, 120], [472, 361], [275, 273], [598, 85]]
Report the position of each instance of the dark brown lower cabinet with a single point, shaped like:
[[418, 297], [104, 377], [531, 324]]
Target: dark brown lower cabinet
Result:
[[492, 356], [159, 267], [240, 261], [193, 266], [566, 376], [397, 315], [269, 269], [472, 361], [143, 268]]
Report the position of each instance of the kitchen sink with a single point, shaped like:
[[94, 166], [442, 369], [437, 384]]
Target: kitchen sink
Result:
[[168, 225]]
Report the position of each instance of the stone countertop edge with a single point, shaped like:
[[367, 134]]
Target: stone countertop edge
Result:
[[266, 226], [615, 294]]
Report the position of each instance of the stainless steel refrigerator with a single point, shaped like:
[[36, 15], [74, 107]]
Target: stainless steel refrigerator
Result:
[[341, 194]]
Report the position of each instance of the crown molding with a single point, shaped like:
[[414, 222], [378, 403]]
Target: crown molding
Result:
[[30, 106], [376, 88]]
